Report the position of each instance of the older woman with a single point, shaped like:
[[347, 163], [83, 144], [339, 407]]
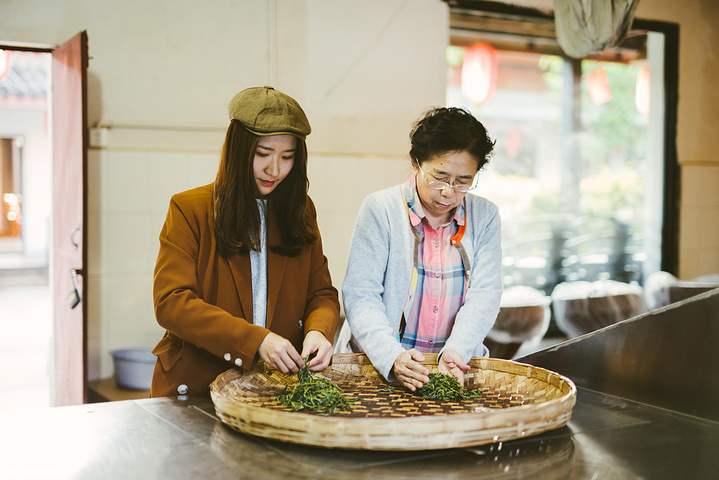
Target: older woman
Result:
[[424, 271]]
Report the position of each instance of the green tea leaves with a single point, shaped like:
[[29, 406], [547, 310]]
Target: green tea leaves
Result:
[[317, 395], [443, 386]]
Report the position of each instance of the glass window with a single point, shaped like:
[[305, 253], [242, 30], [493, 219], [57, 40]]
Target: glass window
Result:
[[577, 168]]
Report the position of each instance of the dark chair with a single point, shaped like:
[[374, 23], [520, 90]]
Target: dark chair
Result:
[[663, 288], [583, 307], [524, 316]]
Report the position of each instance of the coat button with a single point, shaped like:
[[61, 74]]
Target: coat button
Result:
[[238, 362], [182, 389], [228, 357]]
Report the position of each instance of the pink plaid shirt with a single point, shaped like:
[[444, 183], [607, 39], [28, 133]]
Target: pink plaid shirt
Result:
[[440, 281]]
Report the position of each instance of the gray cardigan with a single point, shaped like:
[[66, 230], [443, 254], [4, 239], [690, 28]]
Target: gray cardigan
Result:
[[377, 285]]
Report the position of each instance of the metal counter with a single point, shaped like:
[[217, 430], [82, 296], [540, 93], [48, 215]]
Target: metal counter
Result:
[[667, 358], [607, 438], [646, 408]]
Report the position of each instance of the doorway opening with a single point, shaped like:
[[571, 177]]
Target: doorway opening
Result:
[[26, 318]]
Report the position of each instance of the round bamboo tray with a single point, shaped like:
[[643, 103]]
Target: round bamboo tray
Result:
[[517, 400]]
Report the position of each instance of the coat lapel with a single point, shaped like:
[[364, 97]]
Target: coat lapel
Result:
[[276, 265], [242, 275]]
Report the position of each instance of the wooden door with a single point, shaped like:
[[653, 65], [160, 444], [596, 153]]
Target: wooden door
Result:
[[69, 255]]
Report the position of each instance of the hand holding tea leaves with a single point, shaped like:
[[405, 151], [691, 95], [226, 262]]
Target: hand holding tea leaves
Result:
[[318, 349], [451, 362], [408, 369], [279, 353]]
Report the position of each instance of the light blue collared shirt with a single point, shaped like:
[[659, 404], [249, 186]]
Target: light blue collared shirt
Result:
[[258, 263]]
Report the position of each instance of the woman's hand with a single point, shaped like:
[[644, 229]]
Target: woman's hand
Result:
[[451, 362], [409, 371], [280, 354], [315, 341]]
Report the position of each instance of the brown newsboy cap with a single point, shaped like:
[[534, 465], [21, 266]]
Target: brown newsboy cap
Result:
[[266, 111]]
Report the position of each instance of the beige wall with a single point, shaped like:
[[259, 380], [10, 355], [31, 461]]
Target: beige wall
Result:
[[160, 77], [162, 73]]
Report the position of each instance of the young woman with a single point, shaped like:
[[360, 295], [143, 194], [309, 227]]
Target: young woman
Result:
[[424, 271], [240, 274]]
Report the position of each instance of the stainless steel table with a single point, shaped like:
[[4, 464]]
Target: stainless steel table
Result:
[[646, 408], [607, 438]]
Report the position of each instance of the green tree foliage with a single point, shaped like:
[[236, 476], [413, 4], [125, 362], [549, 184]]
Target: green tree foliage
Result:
[[617, 124], [613, 158]]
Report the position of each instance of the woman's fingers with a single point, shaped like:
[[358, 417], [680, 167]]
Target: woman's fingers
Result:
[[451, 362], [282, 361], [279, 354], [291, 359], [455, 372], [408, 371], [417, 356], [315, 342], [322, 359]]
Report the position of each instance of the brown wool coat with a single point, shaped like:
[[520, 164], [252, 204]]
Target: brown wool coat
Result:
[[205, 301]]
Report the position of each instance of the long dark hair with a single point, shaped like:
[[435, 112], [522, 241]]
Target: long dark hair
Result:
[[235, 213]]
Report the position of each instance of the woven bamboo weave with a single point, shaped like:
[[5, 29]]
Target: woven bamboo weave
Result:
[[517, 400]]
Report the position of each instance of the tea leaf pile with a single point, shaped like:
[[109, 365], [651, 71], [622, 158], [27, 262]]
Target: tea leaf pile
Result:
[[314, 394], [443, 386]]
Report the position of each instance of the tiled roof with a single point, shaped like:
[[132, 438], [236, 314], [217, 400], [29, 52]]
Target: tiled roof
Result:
[[28, 77]]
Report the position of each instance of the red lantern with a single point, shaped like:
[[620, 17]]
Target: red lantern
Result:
[[641, 93], [4, 64], [598, 86], [479, 73], [513, 143]]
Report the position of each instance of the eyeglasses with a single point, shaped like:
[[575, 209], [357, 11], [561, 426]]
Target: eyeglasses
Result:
[[437, 185]]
